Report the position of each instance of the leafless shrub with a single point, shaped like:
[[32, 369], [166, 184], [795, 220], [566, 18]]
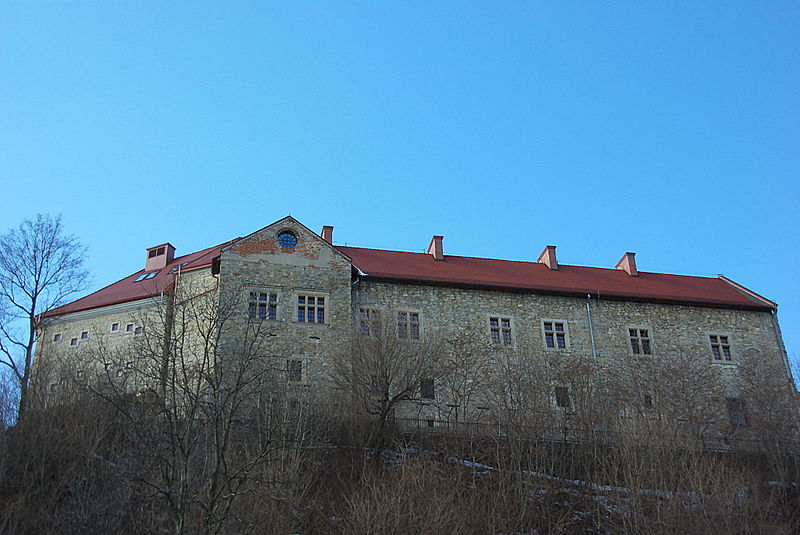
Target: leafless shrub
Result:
[[376, 371]]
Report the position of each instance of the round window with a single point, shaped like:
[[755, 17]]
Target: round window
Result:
[[287, 239]]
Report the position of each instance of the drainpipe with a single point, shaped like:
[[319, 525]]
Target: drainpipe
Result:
[[591, 335]]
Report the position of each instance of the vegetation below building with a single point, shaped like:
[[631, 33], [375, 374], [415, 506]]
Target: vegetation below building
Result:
[[84, 468]]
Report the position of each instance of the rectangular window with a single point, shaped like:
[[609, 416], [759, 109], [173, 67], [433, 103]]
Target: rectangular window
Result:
[[562, 397], [310, 309], [426, 389], [647, 401], [129, 328], [555, 334], [720, 347], [174, 269], [146, 276], [73, 342], [295, 369], [640, 341], [736, 412], [500, 330], [138, 330], [408, 325], [85, 335], [57, 337], [115, 327], [370, 322], [263, 305]]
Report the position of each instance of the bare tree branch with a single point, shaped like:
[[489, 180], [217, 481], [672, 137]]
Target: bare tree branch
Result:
[[40, 268]]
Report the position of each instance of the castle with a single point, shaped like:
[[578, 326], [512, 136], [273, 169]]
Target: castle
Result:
[[308, 294]]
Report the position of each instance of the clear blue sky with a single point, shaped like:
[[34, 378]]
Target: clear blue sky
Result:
[[666, 128]]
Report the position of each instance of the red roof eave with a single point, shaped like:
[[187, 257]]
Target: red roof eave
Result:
[[561, 291]]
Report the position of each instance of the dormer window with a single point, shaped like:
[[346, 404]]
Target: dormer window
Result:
[[156, 252], [146, 276]]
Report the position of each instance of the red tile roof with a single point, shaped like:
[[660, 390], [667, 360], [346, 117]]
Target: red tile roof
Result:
[[470, 272], [533, 276], [127, 289]]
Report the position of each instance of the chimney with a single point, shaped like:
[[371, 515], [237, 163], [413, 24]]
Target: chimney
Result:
[[435, 249], [548, 257], [327, 234], [628, 264], [159, 256]]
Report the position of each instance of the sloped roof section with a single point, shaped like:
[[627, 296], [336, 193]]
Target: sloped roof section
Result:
[[468, 272], [568, 280], [128, 289]]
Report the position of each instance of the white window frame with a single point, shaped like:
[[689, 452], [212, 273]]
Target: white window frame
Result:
[[58, 337], [111, 327], [130, 328], [553, 322]]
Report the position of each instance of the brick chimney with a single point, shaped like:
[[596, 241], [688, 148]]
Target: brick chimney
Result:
[[159, 256], [327, 234], [548, 257], [628, 264], [436, 249]]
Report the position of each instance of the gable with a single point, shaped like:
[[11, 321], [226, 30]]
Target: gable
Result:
[[287, 242]]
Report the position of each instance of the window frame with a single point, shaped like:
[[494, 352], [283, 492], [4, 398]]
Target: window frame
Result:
[[289, 232], [146, 276], [369, 318], [649, 338], [58, 337], [111, 328], [427, 388], [558, 399], [737, 415], [297, 294], [294, 368], [408, 323], [719, 335], [130, 328], [512, 327], [269, 304], [544, 332]]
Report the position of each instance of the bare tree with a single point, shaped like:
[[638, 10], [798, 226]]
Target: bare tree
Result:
[[192, 388], [40, 267], [470, 364], [674, 400], [767, 411], [380, 370]]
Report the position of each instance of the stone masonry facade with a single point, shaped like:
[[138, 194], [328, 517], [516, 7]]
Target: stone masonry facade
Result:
[[307, 296]]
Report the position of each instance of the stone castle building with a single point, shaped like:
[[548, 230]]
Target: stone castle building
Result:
[[309, 293]]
